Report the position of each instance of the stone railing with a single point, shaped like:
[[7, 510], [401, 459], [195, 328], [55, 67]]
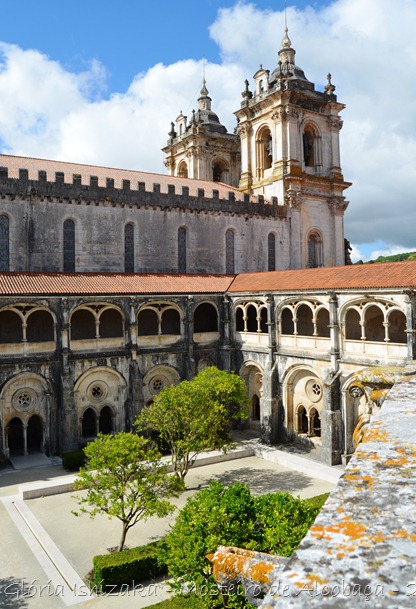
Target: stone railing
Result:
[[361, 549]]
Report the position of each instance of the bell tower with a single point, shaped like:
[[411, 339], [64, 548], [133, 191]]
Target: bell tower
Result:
[[290, 150], [202, 148]]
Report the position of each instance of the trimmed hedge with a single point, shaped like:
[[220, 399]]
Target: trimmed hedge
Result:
[[127, 566], [72, 461]]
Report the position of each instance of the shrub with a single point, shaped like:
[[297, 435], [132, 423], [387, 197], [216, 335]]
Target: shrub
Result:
[[284, 521], [72, 461], [127, 566]]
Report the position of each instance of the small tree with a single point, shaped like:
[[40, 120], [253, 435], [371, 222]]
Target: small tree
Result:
[[196, 415], [124, 479]]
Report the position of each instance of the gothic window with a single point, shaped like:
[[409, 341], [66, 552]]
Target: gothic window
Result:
[[205, 318], [373, 324], [255, 408], [314, 251], [171, 322], [308, 149], [183, 167], [229, 252], [271, 252], [111, 324], [129, 248], [352, 325], [39, 327], [105, 422], [315, 423], [263, 321], [182, 250], [88, 424], [69, 246], [11, 330], [301, 420], [82, 325], [147, 323], [4, 243], [304, 323], [397, 327], [288, 327], [239, 320], [322, 323], [251, 318]]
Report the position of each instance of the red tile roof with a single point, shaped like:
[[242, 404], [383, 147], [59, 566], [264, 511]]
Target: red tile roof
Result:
[[362, 276], [44, 284], [14, 163]]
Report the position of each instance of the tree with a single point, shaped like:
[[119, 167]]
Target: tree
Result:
[[196, 415], [124, 479]]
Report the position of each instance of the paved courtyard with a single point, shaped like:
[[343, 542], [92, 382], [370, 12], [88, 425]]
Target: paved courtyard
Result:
[[61, 536]]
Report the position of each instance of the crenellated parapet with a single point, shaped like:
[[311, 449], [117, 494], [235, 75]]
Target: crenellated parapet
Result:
[[135, 194]]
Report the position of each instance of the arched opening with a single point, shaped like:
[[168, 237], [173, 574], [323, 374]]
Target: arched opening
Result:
[[40, 327], [11, 329], [82, 325], [309, 147], [129, 248], [263, 321], [397, 327], [69, 246], [105, 423], [255, 408], [271, 252], [315, 255], [352, 325], [205, 318], [288, 327], [34, 434], [147, 323], [251, 318], [111, 324], [4, 243], [183, 169], [322, 323], [89, 423], [373, 324], [220, 172], [301, 420], [171, 322], [239, 320], [264, 150], [305, 320], [15, 437], [315, 423]]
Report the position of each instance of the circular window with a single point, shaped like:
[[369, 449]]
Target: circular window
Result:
[[24, 400], [97, 391], [313, 390], [156, 385]]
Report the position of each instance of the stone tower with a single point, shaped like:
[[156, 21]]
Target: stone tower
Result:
[[202, 148], [290, 150]]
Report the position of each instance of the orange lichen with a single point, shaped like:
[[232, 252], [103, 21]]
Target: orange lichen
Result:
[[259, 572], [348, 528], [317, 530]]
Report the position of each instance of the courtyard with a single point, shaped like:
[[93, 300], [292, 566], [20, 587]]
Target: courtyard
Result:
[[49, 550]]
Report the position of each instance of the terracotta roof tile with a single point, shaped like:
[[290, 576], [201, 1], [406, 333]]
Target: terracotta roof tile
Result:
[[362, 276], [26, 283], [14, 163]]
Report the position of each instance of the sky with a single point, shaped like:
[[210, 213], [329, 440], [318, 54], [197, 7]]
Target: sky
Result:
[[99, 82]]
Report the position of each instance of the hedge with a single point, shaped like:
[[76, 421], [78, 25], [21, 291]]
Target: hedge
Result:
[[127, 566], [72, 461]]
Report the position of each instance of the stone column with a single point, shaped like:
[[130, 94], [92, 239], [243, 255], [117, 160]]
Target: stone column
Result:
[[410, 325], [331, 419]]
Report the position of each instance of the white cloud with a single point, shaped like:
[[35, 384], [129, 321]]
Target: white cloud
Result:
[[367, 45]]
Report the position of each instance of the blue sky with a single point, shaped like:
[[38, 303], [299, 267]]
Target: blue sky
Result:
[[98, 81]]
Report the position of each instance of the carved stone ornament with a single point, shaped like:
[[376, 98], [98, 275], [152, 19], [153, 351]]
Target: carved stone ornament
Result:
[[97, 391], [24, 400], [356, 392]]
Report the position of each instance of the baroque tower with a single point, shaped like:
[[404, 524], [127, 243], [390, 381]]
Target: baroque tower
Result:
[[202, 148], [290, 150]]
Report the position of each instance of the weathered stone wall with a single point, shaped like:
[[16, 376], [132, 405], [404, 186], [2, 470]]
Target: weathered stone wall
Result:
[[361, 549]]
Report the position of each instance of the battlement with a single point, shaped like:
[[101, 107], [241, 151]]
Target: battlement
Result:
[[123, 192]]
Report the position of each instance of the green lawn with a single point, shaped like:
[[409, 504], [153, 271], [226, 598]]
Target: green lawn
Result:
[[179, 602]]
